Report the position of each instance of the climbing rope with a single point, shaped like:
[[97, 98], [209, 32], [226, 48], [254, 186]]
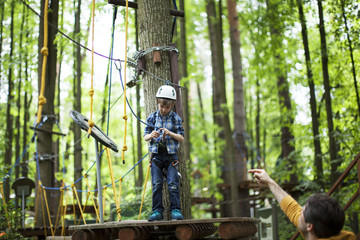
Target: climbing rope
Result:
[[48, 212], [91, 92], [143, 195], [79, 204], [92, 197], [124, 148], [118, 209], [45, 53]]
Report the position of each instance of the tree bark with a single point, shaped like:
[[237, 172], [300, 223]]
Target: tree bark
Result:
[[10, 100], [353, 68], [314, 117], [155, 27], [221, 112], [44, 141], [240, 151], [286, 115], [185, 91], [334, 161], [77, 101]]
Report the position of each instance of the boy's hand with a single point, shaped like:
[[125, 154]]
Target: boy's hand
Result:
[[165, 131], [154, 134]]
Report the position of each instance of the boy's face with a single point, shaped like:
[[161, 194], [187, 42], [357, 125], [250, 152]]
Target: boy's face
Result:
[[164, 108]]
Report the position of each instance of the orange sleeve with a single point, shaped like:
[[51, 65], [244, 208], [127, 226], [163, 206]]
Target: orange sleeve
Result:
[[292, 209]]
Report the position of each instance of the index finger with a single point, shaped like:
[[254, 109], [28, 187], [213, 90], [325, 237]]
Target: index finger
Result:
[[254, 170]]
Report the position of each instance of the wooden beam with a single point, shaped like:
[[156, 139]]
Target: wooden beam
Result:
[[175, 13]]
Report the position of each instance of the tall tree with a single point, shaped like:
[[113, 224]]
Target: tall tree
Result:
[[221, 111], [44, 140], [351, 52], [155, 28], [333, 148], [184, 74], [77, 99], [10, 101], [314, 116], [286, 114], [240, 151]]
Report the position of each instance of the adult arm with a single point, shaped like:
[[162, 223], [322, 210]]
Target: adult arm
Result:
[[261, 176]]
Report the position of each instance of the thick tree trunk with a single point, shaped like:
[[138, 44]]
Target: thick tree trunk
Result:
[[44, 141], [10, 100], [2, 9], [155, 27], [286, 115], [314, 117], [221, 113], [333, 148], [240, 151]]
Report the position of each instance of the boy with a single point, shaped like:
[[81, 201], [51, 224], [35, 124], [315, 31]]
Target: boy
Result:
[[164, 131]]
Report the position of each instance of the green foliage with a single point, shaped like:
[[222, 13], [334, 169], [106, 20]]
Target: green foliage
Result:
[[10, 221]]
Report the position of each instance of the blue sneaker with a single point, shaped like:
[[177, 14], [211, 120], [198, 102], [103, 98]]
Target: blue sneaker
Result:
[[176, 215], [156, 216]]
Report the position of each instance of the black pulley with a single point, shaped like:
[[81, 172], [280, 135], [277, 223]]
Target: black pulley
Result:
[[96, 132]]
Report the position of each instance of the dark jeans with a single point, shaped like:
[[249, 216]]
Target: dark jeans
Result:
[[159, 162]]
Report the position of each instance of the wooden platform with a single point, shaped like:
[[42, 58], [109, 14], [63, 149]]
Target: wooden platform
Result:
[[219, 228]]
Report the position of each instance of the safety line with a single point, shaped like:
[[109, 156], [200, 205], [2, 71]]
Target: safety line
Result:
[[45, 53]]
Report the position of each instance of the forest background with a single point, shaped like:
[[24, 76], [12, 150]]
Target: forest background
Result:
[[270, 84]]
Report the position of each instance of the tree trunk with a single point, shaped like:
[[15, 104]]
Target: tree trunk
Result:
[[185, 91], [155, 27], [10, 100], [314, 117], [140, 179], [26, 104], [240, 151], [286, 115], [351, 55], [44, 141], [77, 102], [334, 162], [221, 112], [2, 9]]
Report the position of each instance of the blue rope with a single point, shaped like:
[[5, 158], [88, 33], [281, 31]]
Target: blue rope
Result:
[[127, 101], [111, 59]]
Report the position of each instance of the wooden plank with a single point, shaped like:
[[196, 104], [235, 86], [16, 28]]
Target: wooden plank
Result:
[[132, 223]]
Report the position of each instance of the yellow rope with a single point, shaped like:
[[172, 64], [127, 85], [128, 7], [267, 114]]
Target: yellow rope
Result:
[[43, 211], [118, 210], [48, 212], [59, 211], [120, 190], [45, 53], [4, 202], [87, 198], [92, 198], [91, 92], [143, 196], [125, 116], [104, 198], [37, 200], [74, 210], [79, 204], [64, 214]]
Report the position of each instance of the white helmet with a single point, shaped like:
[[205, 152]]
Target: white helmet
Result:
[[166, 91]]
